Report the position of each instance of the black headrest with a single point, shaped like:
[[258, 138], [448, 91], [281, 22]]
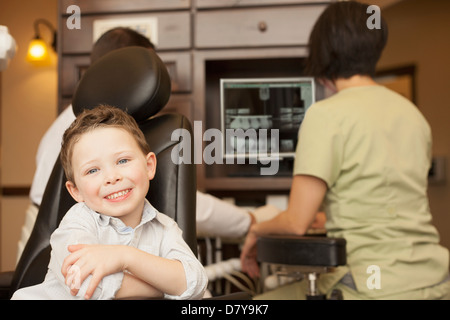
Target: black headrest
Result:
[[132, 78]]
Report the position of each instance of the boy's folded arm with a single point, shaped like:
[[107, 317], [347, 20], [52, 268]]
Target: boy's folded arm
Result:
[[70, 233], [100, 270], [117, 271], [175, 248], [101, 273], [175, 270], [165, 275], [106, 289], [60, 240], [134, 288]]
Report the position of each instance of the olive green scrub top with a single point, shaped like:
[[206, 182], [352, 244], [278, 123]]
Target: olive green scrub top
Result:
[[372, 147]]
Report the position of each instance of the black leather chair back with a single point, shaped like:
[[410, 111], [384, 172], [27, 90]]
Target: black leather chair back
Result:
[[136, 80]]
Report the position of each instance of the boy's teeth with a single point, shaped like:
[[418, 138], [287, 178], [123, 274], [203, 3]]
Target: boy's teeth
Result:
[[117, 194]]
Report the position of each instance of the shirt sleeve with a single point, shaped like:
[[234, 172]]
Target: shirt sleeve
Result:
[[78, 227], [174, 247], [48, 152], [319, 150], [212, 212]]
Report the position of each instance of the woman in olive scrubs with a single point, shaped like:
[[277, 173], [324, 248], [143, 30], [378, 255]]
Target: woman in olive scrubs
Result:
[[364, 153]]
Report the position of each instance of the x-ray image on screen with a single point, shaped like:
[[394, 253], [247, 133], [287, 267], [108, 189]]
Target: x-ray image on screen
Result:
[[260, 106]]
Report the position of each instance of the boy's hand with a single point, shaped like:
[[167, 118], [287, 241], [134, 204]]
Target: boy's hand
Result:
[[96, 260]]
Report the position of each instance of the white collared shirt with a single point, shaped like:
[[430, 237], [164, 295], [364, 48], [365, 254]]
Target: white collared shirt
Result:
[[156, 234]]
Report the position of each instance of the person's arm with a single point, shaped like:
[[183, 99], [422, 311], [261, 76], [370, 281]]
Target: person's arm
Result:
[[164, 275], [218, 218], [306, 196], [78, 226], [305, 199], [134, 288]]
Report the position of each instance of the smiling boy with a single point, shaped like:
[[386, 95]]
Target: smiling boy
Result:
[[113, 243]]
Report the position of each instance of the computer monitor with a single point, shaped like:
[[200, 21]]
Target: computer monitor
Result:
[[263, 114]]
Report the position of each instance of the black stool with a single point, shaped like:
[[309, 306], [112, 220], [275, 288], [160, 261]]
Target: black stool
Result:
[[304, 256]]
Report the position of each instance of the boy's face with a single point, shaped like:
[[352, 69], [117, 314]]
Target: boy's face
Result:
[[111, 173]]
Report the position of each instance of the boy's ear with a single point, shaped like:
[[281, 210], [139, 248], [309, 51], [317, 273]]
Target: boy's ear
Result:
[[74, 192], [151, 165]]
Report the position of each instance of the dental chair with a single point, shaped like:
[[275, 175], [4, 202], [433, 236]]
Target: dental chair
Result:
[[303, 258], [134, 79]]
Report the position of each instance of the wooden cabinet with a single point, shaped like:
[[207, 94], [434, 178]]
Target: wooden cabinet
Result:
[[255, 27], [201, 41], [204, 4], [174, 42], [174, 28], [179, 66], [120, 6]]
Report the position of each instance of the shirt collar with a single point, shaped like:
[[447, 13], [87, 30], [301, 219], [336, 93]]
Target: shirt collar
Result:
[[148, 214]]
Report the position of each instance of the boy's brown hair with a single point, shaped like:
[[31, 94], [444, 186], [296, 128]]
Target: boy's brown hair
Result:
[[88, 120]]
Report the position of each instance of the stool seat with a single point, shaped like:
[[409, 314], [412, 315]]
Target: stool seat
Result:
[[303, 257], [302, 250]]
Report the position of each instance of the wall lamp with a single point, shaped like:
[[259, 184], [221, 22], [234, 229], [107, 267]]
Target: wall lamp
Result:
[[38, 52]]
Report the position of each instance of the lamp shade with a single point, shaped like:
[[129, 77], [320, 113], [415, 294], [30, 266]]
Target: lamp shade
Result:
[[38, 52]]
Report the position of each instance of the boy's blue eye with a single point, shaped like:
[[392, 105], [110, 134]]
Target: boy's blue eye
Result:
[[123, 161], [91, 171]]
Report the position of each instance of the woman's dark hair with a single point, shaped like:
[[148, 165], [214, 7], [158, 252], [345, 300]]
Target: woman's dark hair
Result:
[[342, 45]]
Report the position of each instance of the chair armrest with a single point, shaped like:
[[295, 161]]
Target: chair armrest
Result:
[[302, 250], [5, 284]]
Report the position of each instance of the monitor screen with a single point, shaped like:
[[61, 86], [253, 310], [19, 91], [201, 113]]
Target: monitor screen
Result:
[[263, 116]]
